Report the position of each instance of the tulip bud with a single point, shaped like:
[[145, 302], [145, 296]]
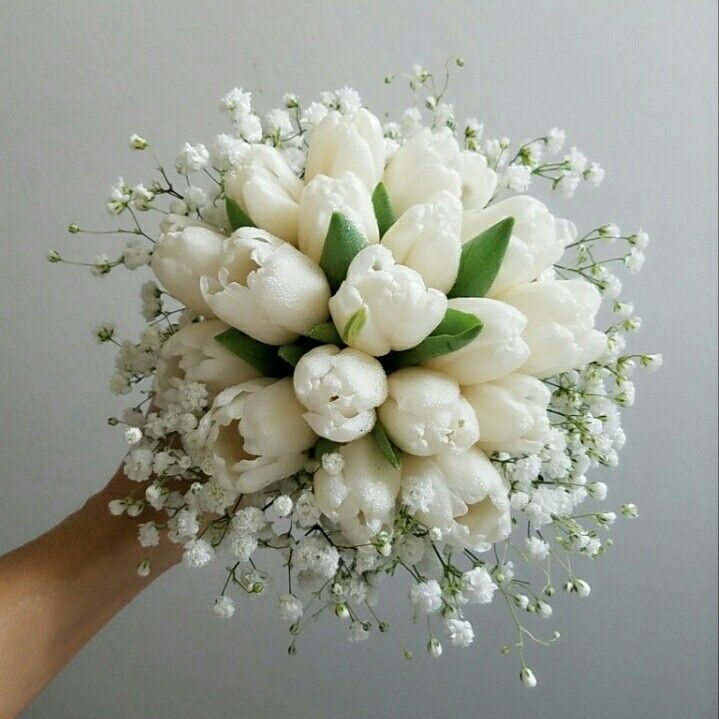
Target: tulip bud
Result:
[[498, 349], [256, 434], [537, 241], [341, 390], [426, 164], [193, 353], [464, 496], [267, 288], [361, 498], [181, 257], [347, 143], [424, 234], [267, 190], [560, 325], [425, 414], [325, 195], [512, 413], [478, 180], [399, 311]]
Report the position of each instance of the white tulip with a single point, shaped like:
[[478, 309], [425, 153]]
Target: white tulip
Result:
[[427, 163], [512, 413], [426, 237], [462, 495], [325, 195], [425, 414], [497, 350], [256, 435], [267, 288], [560, 325], [267, 190], [361, 497], [342, 143], [172, 222], [341, 390], [478, 180], [192, 353], [537, 242], [179, 260], [399, 309]]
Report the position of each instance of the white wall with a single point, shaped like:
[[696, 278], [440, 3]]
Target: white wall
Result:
[[635, 86]]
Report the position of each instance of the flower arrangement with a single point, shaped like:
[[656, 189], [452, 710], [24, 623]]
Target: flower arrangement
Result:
[[370, 351]]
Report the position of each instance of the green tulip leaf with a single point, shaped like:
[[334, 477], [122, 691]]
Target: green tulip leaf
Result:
[[386, 445], [293, 353], [324, 446], [236, 215], [455, 331], [481, 259], [354, 325], [326, 333], [264, 358], [342, 243], [382, 208]]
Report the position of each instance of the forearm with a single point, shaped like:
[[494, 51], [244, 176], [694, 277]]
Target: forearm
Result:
[[58, 590]]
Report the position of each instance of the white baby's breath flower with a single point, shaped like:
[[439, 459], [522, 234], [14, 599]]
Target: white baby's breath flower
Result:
[[460, 632], [634, 261], [576, 161], [537, 548], [224, 607], [198, 553], [426, 596], [555, 140], [290, 608], [567, 184], [516, 178], [478, 586], [192, 158]]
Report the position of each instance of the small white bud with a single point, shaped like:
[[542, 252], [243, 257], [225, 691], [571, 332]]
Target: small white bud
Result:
[[434, 648], [521, 600], [117, 507], [137, 142], [135, 509], [529, 681], [544, 610]]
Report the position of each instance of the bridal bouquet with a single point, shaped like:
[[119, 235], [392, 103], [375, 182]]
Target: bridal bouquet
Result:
[[368, 351]]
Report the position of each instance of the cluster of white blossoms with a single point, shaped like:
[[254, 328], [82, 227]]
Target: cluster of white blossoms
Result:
[[368, 351]]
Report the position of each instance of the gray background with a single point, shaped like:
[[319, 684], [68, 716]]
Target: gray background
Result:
[[633, 83]]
